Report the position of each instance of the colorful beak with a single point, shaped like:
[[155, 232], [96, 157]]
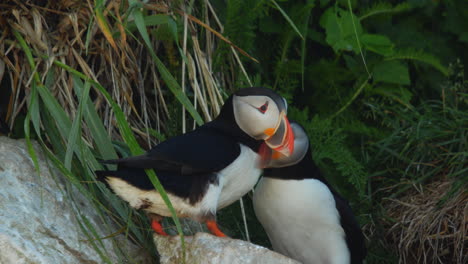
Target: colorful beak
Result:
[[282, 140]]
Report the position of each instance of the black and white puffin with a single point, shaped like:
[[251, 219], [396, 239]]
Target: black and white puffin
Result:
[[210, 167], [303, 216]]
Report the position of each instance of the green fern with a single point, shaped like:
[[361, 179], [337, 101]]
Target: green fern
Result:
[[329, 144], [384, 8], [239, 24], [419, 55]]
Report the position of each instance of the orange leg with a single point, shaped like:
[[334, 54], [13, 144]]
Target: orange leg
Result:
[[157, 227], [213, 227]]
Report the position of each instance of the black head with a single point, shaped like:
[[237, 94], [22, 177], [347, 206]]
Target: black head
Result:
[[262, 91]]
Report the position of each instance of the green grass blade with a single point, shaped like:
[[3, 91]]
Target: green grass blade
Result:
[[174, 87], [130, 139], [54, 107], [152, 20], [33, 101], [64, 124], [32, 152], [165, 74], [52, 132], [127, 134], [92, 235], [355, 95], [28, 53], [94, 123], [76, 128], [304, 49], [357, 39], [89, 34], [287, 18], [115, 203]]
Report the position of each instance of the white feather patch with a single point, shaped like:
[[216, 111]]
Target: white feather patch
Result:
[[234, 181], [239, 177], [301, 220]]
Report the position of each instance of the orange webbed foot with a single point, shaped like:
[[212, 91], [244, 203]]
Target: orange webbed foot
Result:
[[157, 227], [213, 227]]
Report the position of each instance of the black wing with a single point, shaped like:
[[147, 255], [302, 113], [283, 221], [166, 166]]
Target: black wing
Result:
[[183, 164], [201, 151], [354, 237]]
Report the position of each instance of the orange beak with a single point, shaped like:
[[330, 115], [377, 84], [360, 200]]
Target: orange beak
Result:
[[282, 140]]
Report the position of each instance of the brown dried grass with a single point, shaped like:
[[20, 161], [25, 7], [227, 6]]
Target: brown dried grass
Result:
[[69, 31], [424, 229]]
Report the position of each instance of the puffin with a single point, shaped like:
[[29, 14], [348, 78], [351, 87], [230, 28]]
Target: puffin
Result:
[[210, 167], [303, 216]]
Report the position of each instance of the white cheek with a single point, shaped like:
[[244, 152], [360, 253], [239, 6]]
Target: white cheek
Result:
[[247, 117], [251, 120]]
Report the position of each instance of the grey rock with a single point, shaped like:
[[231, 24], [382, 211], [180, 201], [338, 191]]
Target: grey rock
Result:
[[204, 248], [38, 220]]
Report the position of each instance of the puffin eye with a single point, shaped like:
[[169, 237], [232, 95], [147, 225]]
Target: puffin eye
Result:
[[263, 108]]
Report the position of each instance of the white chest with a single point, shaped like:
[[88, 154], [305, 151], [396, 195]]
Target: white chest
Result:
[[239, 177], [301, 220]]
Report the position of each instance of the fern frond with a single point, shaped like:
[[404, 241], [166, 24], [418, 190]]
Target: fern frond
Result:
[[329, 144], [419, 55], [384, 8]]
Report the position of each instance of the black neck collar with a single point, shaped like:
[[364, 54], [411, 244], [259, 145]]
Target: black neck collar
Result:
[[305, 169]]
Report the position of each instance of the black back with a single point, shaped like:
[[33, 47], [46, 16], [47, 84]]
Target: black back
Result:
[[307, 169], [185, 164]]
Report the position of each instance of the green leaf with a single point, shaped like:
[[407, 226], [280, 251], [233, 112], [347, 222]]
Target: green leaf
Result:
[[379, 44], [392, 72], [340, 32]]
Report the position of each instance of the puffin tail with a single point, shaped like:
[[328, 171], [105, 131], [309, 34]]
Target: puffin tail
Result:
[[102, 174]]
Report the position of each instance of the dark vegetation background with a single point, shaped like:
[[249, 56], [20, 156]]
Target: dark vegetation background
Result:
[[379, 85]]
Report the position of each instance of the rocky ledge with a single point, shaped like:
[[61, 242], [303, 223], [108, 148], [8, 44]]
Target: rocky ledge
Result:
[[208, 249]]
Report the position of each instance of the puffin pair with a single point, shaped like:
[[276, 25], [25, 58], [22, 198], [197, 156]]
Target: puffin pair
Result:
[[210, 167], [303, 216]]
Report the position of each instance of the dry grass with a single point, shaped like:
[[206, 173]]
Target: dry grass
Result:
[[424, 229], [70, 31]]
